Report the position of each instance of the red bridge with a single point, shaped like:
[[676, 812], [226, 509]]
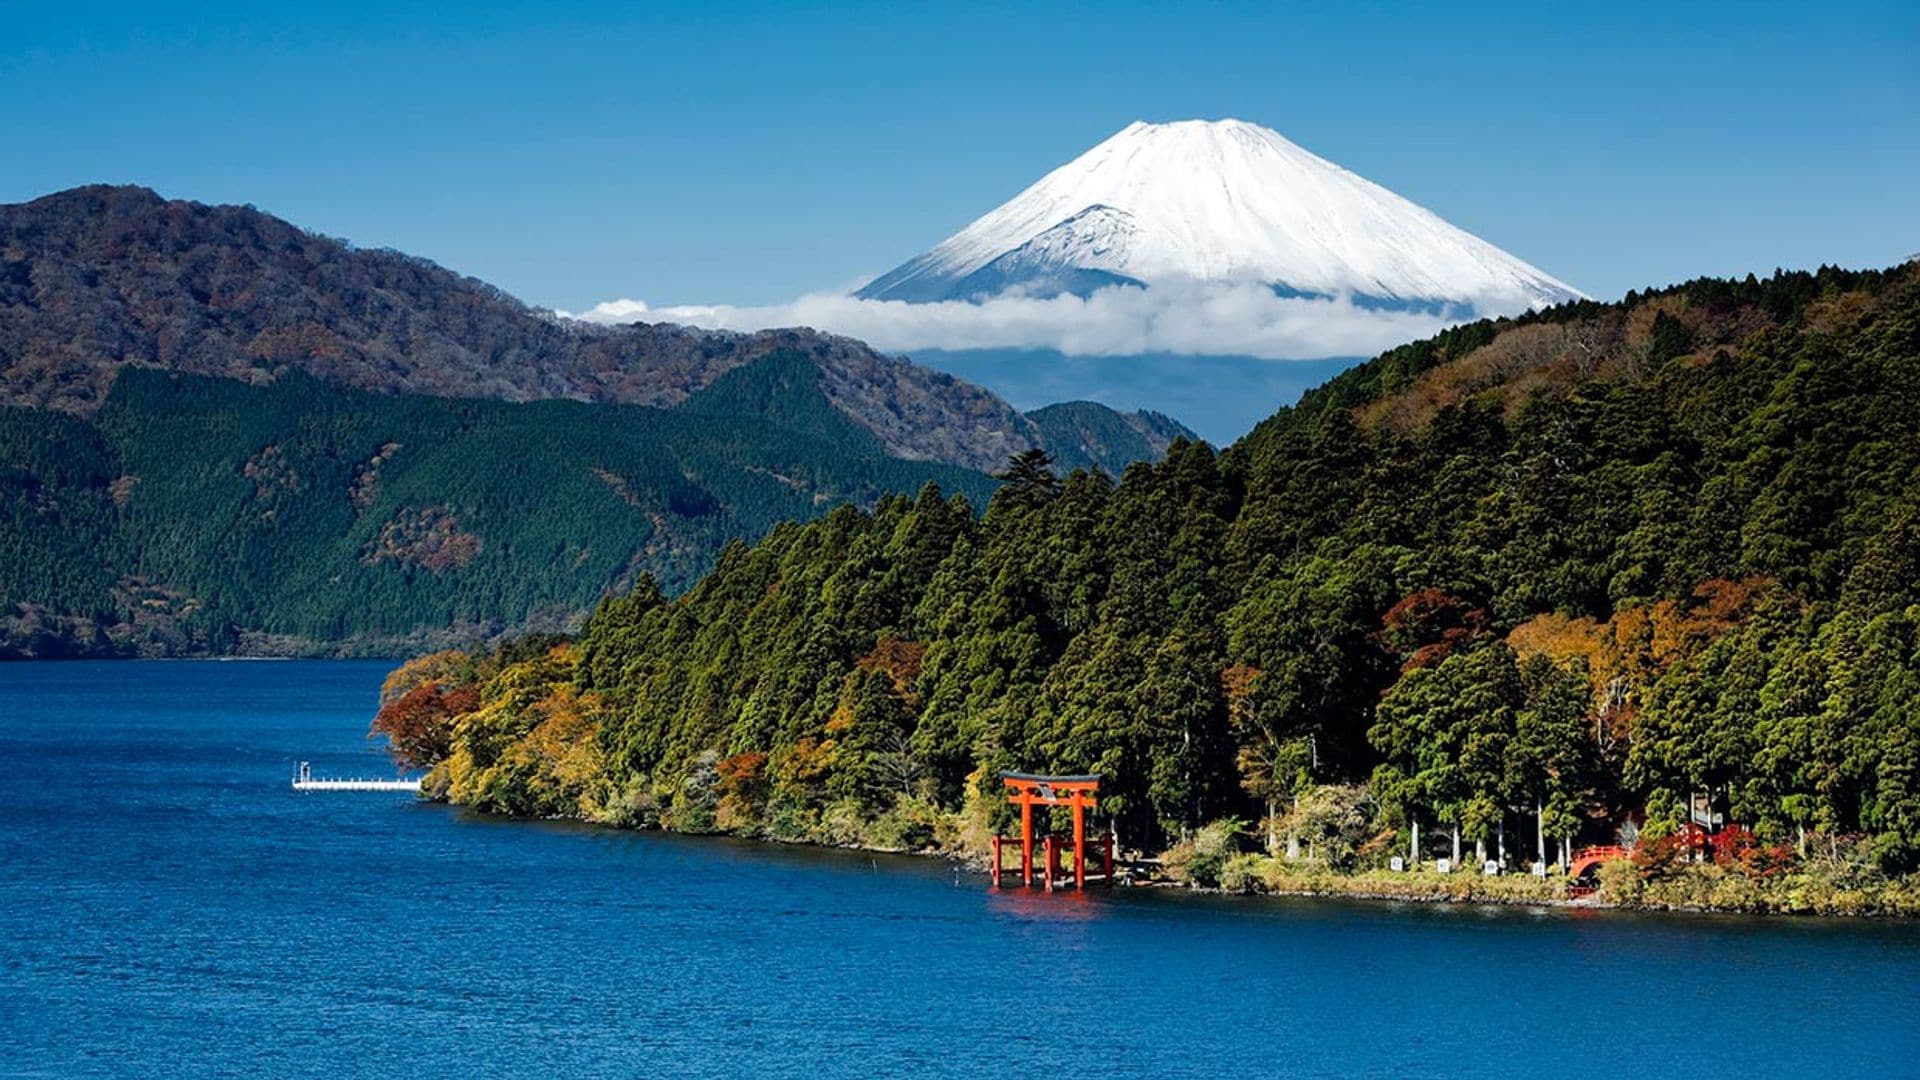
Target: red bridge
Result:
[[1589, 857]]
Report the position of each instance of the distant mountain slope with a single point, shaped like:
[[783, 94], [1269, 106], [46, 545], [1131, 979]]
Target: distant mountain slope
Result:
[[199, 515], [1220, 397], [1218, 201], [1108, 439], [99, 279]]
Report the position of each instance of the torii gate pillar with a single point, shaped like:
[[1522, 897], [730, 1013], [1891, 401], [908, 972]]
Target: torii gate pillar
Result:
[[1026, 844]]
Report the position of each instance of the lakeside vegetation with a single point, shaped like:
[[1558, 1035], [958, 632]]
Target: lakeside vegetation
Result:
[[1742, 875], [1516, 586]]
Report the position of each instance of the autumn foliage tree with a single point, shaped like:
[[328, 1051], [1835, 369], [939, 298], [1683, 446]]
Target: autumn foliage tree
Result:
[[418, 725]]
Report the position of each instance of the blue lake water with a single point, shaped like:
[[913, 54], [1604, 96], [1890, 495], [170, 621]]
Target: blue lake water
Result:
[[168, 906]]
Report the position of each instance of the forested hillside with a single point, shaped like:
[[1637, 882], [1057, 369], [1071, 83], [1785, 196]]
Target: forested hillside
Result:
[[337, 470], [1090, 435], [197, 515], [1567, 569], [98, 280]]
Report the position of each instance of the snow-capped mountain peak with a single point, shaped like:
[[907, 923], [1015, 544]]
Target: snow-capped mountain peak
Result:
[[1219, 200]]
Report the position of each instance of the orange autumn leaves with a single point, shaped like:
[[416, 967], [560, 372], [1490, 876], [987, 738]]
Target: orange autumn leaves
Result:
[[419, 723], [1633, 648], [523, 741], [418, 703]]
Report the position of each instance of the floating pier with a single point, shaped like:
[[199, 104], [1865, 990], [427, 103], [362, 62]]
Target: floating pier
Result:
[[306, 781]]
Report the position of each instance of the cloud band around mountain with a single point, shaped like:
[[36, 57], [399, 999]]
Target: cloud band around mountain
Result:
[[1199, 318]]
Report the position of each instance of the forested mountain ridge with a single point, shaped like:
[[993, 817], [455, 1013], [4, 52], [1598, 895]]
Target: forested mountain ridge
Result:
[[194, 515], [1607, 563], [99, 279], [1105, 438]]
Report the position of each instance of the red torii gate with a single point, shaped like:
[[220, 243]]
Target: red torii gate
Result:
[[1028, 790]]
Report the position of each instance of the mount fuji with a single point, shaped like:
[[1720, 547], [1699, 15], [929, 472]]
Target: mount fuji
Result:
[[1212, 270], [1219, 201]]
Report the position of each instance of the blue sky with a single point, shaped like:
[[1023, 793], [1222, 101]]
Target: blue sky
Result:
[[747, 154]]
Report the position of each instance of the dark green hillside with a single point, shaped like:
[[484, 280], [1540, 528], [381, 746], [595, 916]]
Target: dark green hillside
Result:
[[784, 390], [1561, 571], [337, 468], [198, 514], [57, 528], [1097, 437]]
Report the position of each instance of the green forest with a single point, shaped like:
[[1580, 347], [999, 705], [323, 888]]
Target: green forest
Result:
[[1600, 566], [197, 515]]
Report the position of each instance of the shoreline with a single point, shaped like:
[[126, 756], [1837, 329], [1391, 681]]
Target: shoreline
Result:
[[1330, 885]]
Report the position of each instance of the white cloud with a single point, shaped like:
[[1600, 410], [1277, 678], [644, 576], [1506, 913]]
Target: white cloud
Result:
[[1201, 318]]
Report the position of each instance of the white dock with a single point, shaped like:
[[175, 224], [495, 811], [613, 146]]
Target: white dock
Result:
[[306, 781]]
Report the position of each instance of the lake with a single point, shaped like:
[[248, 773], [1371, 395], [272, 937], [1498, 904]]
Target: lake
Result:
[[169, 906]]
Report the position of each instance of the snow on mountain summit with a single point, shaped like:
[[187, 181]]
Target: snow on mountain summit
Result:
[[1210, 201]]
